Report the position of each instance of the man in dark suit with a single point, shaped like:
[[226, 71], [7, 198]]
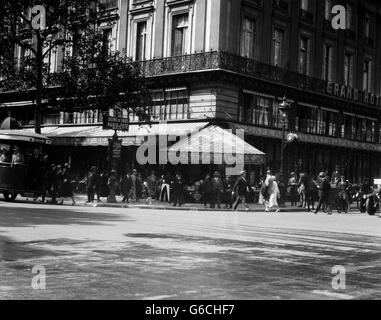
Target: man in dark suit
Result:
[[240, 190], [178, 190], [324, 187]]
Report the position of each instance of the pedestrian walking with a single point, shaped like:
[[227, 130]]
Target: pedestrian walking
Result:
[[206, 190], [292, 189], [178, 190], [102, 189], [135, 186], [165, 188], [311, 193], [273, 194], [52, 182], [91, 184], [324, 187], [152, 184], [302, 185], [217, 190], [66, 184], [240, 190], [228, 189], [126, 185], [112, 184]]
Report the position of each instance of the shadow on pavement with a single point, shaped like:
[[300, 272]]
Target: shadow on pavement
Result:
[[25, 217]]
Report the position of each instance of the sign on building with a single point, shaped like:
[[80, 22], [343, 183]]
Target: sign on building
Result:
[[117, 121]]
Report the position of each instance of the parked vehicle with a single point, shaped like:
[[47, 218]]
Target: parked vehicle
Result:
[[22, 166]]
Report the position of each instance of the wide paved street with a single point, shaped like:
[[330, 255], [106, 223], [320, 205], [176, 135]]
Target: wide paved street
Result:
[[113, 253]]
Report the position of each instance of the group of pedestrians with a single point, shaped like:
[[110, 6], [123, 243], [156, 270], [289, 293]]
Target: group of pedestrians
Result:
[[214, 190], [58, 184], [309, 191]]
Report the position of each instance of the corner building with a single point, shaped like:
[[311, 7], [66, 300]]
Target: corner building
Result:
[[230, 62]]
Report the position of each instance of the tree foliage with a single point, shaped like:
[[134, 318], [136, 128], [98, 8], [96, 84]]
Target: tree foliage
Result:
[[91, 76]]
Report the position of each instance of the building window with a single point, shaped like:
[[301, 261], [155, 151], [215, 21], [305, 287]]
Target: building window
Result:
[[260, 110], [367, 26], [304, 56], [180, 35], [332, 124], [304, 5], [109, 4], [367, 76], [278, 36], [171, 104], [349, 16], [107, 40], [327, 63], [348, 69], [248, 38], [141, 41], [327, 9]]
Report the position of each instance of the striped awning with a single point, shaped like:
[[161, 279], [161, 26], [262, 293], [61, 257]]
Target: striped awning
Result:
[[95, 135], [218, 146]]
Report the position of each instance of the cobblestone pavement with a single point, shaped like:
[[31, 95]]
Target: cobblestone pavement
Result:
[[114, 253]]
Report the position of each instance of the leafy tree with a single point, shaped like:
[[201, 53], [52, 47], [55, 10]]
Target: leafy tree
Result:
[[91, 76]]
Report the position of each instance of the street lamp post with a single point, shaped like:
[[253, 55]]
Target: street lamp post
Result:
[[284, 108]]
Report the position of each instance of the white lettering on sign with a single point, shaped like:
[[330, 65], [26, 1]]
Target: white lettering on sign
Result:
[[339, 20], [39, 18]]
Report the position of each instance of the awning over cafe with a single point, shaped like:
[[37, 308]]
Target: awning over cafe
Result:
[[94, 135], [218, 145]]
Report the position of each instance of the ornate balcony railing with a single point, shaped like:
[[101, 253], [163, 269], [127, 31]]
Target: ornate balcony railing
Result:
[[218, 60]]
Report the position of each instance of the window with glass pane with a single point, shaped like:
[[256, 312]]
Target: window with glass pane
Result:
[[107, 39], [171, 105], [348, 69], [277, 46], [304, 5], [248, 38], [348, 127], [332, 124], [304, 56], [367, 26], [367, 76], [349, 16], [327, 9], [327, 63], [179, 34], [141, 40]]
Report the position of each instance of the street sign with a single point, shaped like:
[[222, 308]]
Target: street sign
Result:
[[116, 123]]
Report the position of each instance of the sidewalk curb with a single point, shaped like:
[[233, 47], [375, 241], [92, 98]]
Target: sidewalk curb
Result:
[[173, 208]]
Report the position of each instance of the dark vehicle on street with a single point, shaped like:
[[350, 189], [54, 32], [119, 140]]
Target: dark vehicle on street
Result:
[[22, 166]]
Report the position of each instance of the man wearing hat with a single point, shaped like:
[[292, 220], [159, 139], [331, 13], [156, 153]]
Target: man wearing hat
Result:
[[292, 188], [217, 190], [240, 190], [112, 185], [324, 187], [91, 183]]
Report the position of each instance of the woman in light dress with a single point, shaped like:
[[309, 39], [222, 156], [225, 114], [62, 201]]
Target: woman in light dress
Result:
[[274, 194]]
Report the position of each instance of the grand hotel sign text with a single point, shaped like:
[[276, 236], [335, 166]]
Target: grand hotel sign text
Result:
[[349, 93]]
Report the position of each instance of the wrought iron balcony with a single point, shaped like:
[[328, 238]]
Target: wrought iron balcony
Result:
[[218, 60]]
